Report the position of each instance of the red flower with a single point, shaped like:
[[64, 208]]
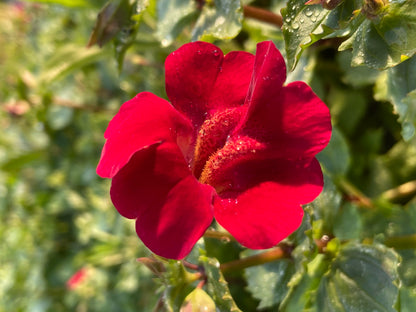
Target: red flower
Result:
[[235, 144], [76, 279]]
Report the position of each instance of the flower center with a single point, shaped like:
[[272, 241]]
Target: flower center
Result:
[[213, 135]]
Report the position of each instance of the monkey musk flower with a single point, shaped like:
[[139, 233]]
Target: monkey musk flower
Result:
[[233, 144]]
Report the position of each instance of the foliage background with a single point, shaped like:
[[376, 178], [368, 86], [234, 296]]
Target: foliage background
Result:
[[356, 248]]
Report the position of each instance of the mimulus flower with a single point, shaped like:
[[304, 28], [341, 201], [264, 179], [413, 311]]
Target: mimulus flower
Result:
[[233, 144]]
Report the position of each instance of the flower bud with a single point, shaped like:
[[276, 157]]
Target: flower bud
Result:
[[198, 301], [373, 8]]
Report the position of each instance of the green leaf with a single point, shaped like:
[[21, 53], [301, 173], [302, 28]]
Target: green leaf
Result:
[[173, 16], [219, 19], [407, 300], [335, 158], [398, 86], [326, 205], [68, 59], [112, 18], [387, 39], [217, 286], [305, 24], [356, 76], [268, 282], [303, 286], [348, 223], [300, 21], [128, 33], [362, 278]]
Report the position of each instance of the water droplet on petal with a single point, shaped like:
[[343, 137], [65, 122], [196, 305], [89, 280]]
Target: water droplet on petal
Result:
[[295, 25], [308, 12]]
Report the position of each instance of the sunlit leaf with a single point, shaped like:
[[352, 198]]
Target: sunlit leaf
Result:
[[173, 16], [303, 25], [387, 39], [219, 19]]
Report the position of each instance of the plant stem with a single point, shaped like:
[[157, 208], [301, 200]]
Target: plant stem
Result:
[[401, 192], [263, 15], [355, 194], [219, 235], [190, 266], [261, 258], [401, 242]]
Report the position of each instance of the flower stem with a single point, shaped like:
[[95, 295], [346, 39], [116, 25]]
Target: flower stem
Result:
[[401, 192], [263, 15], [401, 242], [261, 258]]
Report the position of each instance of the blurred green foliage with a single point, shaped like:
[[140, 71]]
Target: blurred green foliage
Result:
[[355, 250]]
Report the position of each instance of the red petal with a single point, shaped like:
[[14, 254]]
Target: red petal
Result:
[[199, 79], [231, 86], [269, 74], [142, 121], [296, 124], [172, 208], [256, 218], [259, 215], [190, 75]]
